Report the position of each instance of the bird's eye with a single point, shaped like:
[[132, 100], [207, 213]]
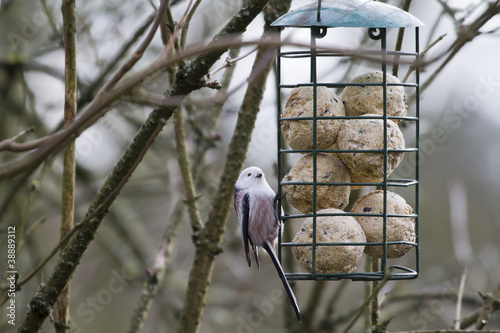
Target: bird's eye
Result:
[[249, 174]]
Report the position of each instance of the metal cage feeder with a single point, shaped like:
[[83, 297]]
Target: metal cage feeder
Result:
[[377, 18]]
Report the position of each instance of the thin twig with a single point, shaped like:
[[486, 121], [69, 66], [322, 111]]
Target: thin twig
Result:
[[424, 297], [56, 141], [34, 186], [465, 35], [11, 144], [375, 305], [99, 209], [368, 300], [414, 66], [487, 308], [458, 307], [448, 331], [137, 55], [88, 93], [30, 230], [335, 299], [98, 107], [433, 28], [173, 41], [230, 61], [155, 275], [450, 11], [189, 16], [472, 318], [50, 17], [183, 159], [314, 301], [399, 41], [368, 290], [30, 324]]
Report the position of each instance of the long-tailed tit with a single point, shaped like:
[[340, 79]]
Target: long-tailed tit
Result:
[[256, 206]]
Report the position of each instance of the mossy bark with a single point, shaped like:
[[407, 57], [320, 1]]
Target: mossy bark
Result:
[[189, 77], [208, 244], [68, 9]]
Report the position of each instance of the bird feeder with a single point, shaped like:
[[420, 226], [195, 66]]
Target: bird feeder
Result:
[[313, 64]]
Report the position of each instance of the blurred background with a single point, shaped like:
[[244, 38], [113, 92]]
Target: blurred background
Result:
[[459, 166]]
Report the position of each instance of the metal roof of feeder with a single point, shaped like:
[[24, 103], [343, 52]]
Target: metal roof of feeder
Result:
[[348, 13]]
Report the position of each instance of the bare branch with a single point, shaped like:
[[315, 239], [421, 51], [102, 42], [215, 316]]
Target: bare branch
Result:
[[107, 95], [47, 294], [458, 307], [375, 304], [229, 62], [189, 16], [88, 93], [68, 9], [488, 307], [399, 41], [465, 35], [368, 300], [450, 11], [183, 159], [137, 55], [208, 244], [100, 209], [414, 66], [11, 144], [157, 273]]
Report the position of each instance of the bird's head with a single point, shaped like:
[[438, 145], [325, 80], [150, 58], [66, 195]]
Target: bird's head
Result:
[[250, 177]]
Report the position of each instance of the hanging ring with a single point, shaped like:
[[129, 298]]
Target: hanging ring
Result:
[[375, 33], [318, 32]]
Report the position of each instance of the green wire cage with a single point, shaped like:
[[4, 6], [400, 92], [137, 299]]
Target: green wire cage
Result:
[[382, 23]]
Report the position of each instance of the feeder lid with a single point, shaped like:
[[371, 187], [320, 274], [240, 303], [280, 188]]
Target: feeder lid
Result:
[[348, 13]]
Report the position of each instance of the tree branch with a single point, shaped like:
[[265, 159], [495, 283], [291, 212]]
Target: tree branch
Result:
[[185, 28], [487, 309], [11, 144], [190, 77], [413, 67], [368, 300], [399, 41], [465, 35], [458, 307], [182, 157], [208, 243], [375, 305], [83, 233], [91, 90], [56, 141], [156, 274], [449, 331], [68, 9]]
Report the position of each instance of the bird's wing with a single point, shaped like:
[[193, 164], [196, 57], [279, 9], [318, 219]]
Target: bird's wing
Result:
[[277, 210], [244, 227], [276, 206], [270, 249], [237, 193]]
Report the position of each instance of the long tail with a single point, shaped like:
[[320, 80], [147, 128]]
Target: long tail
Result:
[[289, 291]]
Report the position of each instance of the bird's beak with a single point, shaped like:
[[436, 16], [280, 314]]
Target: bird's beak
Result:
[[259, 175]]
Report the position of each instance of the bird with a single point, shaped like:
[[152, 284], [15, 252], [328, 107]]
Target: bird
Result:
[[256, 207]]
